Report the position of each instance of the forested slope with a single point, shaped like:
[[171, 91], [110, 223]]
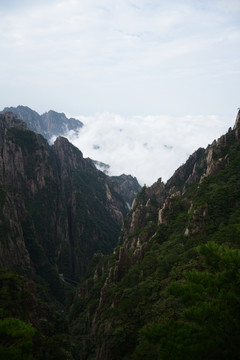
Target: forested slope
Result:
[[170, 290], [56, 211]]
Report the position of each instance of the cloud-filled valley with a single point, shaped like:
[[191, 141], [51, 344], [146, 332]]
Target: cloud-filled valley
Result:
[[126, 57], [147, 147]]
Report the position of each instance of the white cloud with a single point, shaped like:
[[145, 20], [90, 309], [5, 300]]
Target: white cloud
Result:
[[128, 57], [146, 147], [121, 56]]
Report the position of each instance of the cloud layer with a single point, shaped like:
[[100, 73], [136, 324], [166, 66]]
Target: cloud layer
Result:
[[146, 147], [124, 56], [128, 57]]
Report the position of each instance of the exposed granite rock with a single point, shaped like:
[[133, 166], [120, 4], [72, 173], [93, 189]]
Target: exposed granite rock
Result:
[[127, 186], [55, 123], [157, 198], [237, 121], [200, 164], [57, 209]]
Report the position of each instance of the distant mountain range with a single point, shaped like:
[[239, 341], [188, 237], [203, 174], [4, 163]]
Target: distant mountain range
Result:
[[48, 124]]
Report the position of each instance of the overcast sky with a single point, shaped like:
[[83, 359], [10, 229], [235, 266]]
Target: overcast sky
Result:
[[151, 79]]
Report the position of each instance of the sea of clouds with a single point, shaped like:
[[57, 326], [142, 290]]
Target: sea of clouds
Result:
[[147, 147]]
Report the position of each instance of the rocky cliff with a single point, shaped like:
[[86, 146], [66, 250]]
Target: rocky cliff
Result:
[[127, 291], [128, 185], [52, 124], [57, 209]]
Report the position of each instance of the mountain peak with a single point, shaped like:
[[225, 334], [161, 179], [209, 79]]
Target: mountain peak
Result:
[[49, 124], [8, 119], [237, 122]]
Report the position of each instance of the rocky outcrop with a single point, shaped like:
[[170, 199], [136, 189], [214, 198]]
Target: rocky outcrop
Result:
[[127, 186], [58, 124], [237, 121], [157, 199], [57, 209], [188, 173]]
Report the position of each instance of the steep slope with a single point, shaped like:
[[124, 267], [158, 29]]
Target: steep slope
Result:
[[48, 124], [127, 292], [128, 185], [32, 324], [57, 209], [52, 124]]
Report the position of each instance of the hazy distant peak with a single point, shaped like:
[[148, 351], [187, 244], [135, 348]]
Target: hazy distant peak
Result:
[[50, 124]]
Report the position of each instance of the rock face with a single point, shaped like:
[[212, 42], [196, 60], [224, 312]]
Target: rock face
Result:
[[199, 202], [53, 124], [57, 209], [153, 202], [48, 124], [128, 185]]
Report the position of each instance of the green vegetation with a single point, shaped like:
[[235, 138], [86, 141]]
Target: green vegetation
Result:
[[208, 327], [169, 290], [66, 215], [15, 339], [30, 328], [179, 298], [54, 215]]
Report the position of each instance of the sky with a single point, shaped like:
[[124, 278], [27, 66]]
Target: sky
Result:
[[152, 80]]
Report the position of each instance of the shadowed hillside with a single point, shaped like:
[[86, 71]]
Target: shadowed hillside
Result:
[[170, 289]]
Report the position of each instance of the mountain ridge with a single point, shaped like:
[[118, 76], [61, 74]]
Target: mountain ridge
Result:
[[48, 124], [167, 288], [158, 243], [45, 203], [52, 124]]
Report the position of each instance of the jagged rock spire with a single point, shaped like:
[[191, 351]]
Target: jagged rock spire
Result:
[[237, 122]]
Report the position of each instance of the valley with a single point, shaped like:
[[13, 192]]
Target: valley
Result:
[[84, 277]]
